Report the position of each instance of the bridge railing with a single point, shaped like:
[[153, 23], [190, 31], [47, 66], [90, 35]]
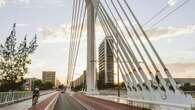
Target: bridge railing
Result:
[[8, 97], [157, 105], [192, 93], [151, 105]]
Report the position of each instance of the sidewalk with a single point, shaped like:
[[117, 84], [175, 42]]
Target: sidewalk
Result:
[[26, 105]]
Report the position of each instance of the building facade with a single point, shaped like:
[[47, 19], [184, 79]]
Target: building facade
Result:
[[106, 64], [80, 82], [57, 83], [49, 76], [29, 83]]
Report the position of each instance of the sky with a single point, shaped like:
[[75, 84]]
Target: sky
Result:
[[174, 37]]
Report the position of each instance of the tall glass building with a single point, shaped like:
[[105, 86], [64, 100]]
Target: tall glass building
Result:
[[106, 65]]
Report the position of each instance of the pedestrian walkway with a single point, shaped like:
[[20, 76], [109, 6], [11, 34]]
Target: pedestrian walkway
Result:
[[25, 105]]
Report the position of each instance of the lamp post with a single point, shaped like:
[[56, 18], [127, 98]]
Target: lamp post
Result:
[[118, 71]]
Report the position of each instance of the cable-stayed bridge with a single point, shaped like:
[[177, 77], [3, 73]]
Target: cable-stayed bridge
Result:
[[149, 84]]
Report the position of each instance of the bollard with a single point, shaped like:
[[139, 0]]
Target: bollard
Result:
[[6, 98]]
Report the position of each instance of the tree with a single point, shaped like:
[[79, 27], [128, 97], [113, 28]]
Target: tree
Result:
[[37, 83], [43, 85], [47, 85], [187, 87], [15, 59], [61, 86]]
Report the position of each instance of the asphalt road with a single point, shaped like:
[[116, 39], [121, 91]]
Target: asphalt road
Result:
[[66, 102]]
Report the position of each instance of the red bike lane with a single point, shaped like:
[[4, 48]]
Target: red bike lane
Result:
[[101, 104], [42, 105]]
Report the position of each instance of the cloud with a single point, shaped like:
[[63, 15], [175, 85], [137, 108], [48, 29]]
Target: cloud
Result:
[[24, 1], [54, 34], [2, 3], [61, 33], [172, 2], [21, 25], [156, 33], [177, 70], [160, 32], [182, 69], [5, 2]]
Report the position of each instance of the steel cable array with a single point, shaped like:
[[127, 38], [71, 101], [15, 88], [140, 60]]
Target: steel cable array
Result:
[[130, 34], [78, 19]]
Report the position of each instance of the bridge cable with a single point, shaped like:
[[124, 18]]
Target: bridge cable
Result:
[[132, 54], [76, 16], [70, 43], [72, 35], [119, 42], [80, 35], [126, 79], [157, 14], [134, 43], [172, 82], [111, 45], [142, 44], [113, 26], [75, 35], [108, 31], [171, 12], [112, 34], [146, 65], [137, 35], [121, 33], [77, 38], [77, 28], [76, 32]]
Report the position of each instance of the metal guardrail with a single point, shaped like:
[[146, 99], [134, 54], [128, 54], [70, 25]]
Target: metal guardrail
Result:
[[8, 97]]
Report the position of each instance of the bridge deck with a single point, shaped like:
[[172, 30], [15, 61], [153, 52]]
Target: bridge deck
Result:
[[101, 104]]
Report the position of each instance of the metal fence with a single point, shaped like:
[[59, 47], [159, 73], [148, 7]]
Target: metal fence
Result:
[[192, 93], [8, 97]]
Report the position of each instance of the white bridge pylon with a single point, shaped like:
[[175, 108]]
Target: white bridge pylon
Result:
[[91, 47], [131, 44]]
